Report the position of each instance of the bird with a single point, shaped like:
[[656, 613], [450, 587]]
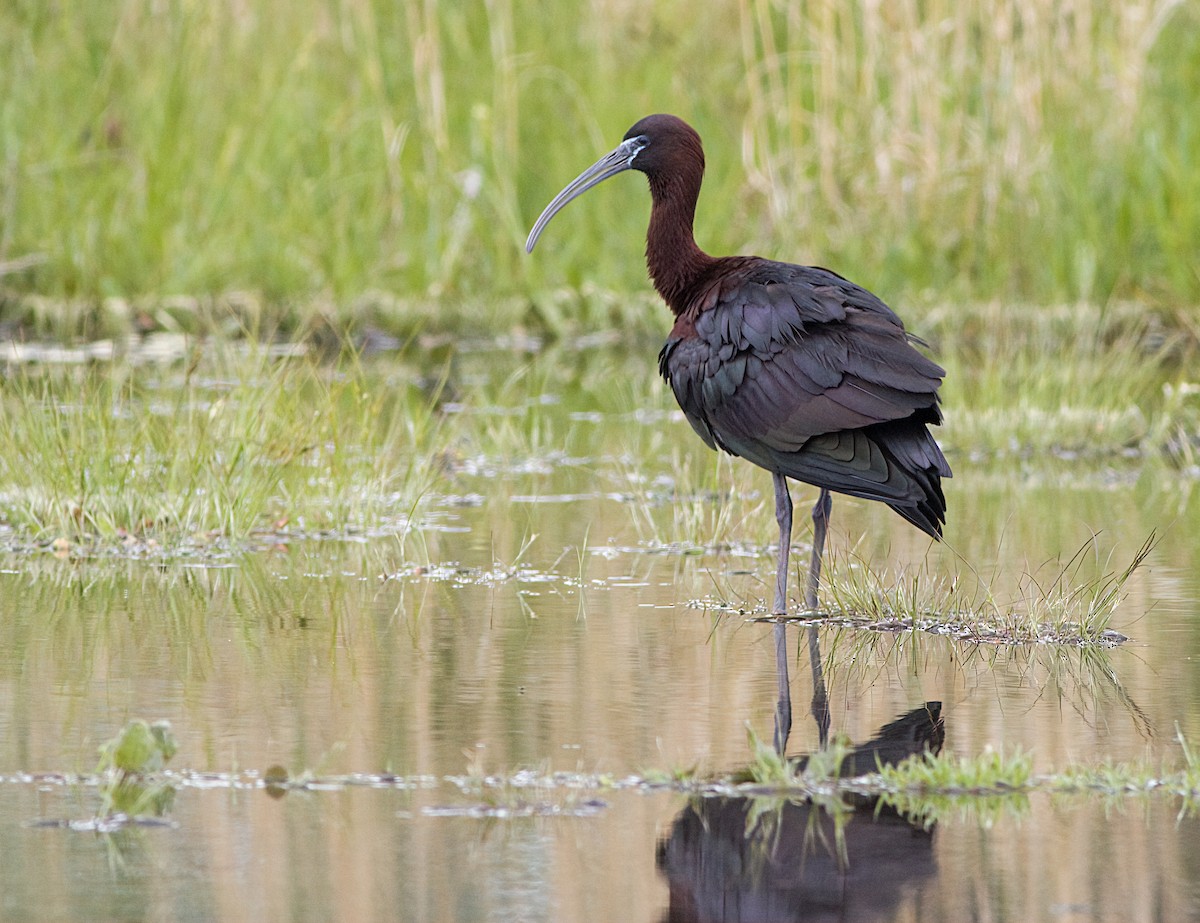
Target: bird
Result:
[[793, 368]]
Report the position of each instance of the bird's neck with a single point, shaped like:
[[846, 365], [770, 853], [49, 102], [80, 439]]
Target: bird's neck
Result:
[[675, 262]]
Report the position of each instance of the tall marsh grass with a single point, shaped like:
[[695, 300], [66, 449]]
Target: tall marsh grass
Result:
[[1028, 149], [383, 160]]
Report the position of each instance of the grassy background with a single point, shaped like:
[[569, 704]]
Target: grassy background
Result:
[[382, 161]]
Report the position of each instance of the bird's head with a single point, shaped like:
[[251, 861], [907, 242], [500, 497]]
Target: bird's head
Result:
[[661, 146]]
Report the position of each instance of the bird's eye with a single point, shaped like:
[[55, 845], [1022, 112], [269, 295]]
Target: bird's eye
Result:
[[633, 146]]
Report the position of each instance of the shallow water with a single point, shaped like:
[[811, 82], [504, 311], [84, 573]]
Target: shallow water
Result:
[[560, 611]]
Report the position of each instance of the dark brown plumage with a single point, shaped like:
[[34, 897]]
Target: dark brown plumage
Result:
[[793, 368]]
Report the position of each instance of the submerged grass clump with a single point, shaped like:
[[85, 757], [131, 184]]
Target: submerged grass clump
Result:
[[235, 442], [949, 774], [934, 787], [931, 787], [1053, 604]]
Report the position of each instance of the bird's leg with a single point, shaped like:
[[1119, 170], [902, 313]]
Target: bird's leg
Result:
[[820, 517], [783, 707], [783, 516], [820, 700]]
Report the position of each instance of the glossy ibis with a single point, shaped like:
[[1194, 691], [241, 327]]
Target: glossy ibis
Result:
[[793, 368]]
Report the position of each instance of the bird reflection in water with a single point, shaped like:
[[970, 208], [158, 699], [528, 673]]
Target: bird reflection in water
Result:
[[750, 859]]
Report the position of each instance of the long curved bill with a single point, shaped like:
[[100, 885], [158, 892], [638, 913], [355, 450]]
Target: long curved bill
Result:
[[618, 160]]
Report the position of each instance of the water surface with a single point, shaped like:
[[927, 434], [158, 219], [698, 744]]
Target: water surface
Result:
[[558, 624]]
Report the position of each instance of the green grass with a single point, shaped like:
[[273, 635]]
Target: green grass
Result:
[[1070, 601], [234, 443], [950, 774], [933, 787], [381, 162]]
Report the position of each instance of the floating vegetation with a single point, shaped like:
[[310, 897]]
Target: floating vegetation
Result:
[[931, 786], [127, 762], [903, 768], [958, 629], [587, 807], [138, 749], [135, 790], [107, 823], [910, 769]]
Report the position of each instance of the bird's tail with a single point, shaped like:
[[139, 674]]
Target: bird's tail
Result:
[[911, 448], [897, 462]]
